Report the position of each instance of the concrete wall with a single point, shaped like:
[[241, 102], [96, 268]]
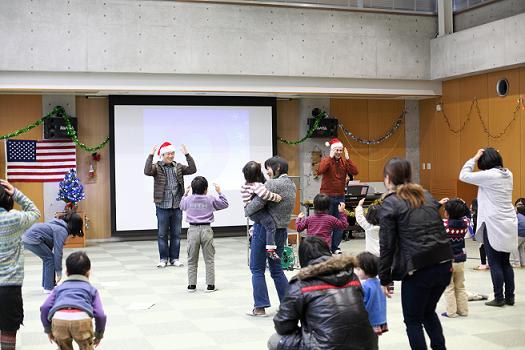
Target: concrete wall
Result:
[[412, 137], [200, 38], [488, 13], [490, 46]]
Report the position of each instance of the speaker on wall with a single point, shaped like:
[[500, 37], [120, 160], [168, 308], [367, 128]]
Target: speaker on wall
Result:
[[55, 128]]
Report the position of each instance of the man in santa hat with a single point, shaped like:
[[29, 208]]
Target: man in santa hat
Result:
[[335, 169], [168, 189]]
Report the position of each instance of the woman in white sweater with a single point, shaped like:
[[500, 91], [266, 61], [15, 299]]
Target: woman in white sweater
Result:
[[497, 226]]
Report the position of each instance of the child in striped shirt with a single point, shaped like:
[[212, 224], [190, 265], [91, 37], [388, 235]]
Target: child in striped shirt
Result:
[[321, 224], [254, 186]]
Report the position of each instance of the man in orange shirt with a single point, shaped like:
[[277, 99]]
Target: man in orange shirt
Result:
[[334, 170]]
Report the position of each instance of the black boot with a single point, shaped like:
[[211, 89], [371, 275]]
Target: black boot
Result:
[[495, 302]]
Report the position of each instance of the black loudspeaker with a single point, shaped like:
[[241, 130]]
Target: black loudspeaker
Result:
[[326, 128], [55, 128]]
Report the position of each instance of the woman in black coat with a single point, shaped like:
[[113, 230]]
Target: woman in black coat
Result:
[[327, 299], [414, 249]]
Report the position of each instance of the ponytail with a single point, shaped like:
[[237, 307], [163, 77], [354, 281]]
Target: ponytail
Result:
[[412, 193]]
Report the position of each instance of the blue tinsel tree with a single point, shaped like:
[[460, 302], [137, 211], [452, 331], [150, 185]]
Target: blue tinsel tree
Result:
[[70, 190]]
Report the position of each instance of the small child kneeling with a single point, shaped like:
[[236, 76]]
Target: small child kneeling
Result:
[[375, 299], [199, 208], [68, 311]]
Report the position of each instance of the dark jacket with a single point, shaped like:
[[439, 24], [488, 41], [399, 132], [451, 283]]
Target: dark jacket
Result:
[[456, 230], [327, 298], [157, 171], [410, 238]]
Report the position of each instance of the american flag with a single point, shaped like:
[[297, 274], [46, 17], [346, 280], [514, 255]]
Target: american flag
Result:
[[39, 161]]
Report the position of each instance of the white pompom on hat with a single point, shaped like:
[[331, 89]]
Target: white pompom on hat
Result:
[[334, 143], [166, 147]]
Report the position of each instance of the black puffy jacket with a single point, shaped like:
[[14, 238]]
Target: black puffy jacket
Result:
[[326, 297], [410, 238]]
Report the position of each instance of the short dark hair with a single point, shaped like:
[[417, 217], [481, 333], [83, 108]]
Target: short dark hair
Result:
[[372, 214], [369, 263], [78, 263], [519, 202], [490, 159], [6, 200], [199, 185], [252, 172], [521, 209], [321, 203], [311, 248], [456, 208], [278, 165], [74, 223]]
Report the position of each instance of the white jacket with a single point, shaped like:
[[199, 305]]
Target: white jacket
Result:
[[495, 208], [371, 232]]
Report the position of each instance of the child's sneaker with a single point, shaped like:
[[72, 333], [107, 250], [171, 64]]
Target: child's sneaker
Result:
[[162, 264], [273, 255], [210, 288], [192, 288]]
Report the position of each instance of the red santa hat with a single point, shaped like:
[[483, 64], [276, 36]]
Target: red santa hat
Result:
[[166, 147], [334, 143]]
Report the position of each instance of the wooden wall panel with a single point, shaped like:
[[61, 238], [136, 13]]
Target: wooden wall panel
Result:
[[500, 114], [445, 168], [472, 136], [16, 112], [288, 128], [381, 116], [353, 114], [93, 128], [522, 145], [370, 119], [452, 150]]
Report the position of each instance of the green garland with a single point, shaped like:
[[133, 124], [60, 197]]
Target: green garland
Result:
[[318, 117], [58, 111]]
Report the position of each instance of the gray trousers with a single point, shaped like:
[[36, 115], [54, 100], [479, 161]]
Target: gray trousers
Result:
[[201, 236]]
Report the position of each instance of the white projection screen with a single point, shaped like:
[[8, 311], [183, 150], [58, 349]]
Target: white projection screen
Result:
[[221, 134]]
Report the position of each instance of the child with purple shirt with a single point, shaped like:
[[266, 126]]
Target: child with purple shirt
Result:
[[68, 311], [199, 208]]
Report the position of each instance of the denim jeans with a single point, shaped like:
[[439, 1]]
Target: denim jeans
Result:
[[48, 262], [500, 270], [169, 223], [337, 235], [420, 293], [258, 258], [264, 218]]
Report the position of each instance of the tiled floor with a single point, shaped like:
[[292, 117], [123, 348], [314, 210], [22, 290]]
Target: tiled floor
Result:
[[125, 274]]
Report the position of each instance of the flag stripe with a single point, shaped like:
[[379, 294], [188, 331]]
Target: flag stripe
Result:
[[55, 151], [14, 174], [42, 166]]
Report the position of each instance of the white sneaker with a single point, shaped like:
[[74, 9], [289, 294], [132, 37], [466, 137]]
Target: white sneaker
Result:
[[338, 251], [47, 291], [176, 263], [162, 264]]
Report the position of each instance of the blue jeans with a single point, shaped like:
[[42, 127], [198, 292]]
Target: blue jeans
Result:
[[264, 218], [337, 235], [169, 223], [500, 270], [48, 262], [420, 293], [258, 258]]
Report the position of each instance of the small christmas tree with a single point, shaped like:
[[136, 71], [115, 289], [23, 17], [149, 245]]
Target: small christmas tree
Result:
[[70, 190]]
